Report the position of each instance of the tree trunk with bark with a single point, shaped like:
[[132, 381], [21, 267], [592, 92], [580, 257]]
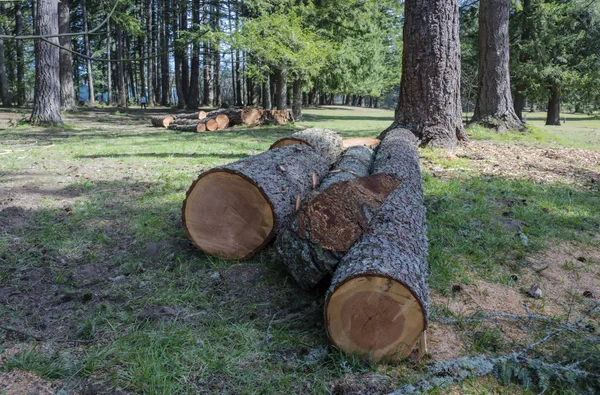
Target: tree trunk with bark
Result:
[[121, 88], [281, 89], [88, 62], [4, 92], [194, 92], [429, 102], [150, 95], [164, 59], [494, 106], [46, 97], [67, 92], [233, 211], [519, 102], [378, 302], [326, 142], [553, 115], [108, 64], [266, 93], [20, 51], [297, 99]]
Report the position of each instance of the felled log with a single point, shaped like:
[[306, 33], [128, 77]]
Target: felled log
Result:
[[326, 142], [330, 221], [161, 121], [196, 127], [222, 121], [329, 224], [377, 305], [235, 210], [354, 162], [277, 117], [196, 115], [211, 124], [357, 141]]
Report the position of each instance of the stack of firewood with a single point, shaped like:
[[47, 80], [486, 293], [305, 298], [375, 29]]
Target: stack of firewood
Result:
[[348, 212], [203, 121]]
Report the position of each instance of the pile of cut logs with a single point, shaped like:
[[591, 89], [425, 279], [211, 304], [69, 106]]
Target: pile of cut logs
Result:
[[203, 121], [348, 212]]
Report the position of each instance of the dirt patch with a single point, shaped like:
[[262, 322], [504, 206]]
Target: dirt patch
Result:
[[443, 342], [19, 382], [569, 276], [548, 165]]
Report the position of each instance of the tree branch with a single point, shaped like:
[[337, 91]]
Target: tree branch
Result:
[[42, 37]]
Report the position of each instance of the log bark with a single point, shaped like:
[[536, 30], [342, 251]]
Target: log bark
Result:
[[377, 305], [194, 115], [160, 121], [326, 142], [197, 127], [233, 211], [331, 221]]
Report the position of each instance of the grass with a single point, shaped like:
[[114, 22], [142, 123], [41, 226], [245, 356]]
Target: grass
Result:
[[102, 250]]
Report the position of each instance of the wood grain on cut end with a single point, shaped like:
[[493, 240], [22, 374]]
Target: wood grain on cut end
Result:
[[226, 214], [358, 141], [287, 141], [375, 317], [212, 125], [201, 114], [201, 127], [326, 142], [222, 121]]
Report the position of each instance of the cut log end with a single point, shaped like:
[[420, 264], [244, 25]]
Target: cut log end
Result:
[[374, 316], [226, 214], [284, 142], [360, 141], [212, 125], [222, 121]]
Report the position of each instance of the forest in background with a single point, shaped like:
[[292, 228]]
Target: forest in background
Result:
[[285, 53]]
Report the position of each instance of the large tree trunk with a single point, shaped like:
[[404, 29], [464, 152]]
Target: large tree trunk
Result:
[[20, 55], [377, 305], [4, 93], [553, 115], [297, 99], [233, 211], [194, 92], [121, 88], [429, 103], [108, 64], [150, 49], [88, 62], [67, 92], [281, 89], [266, 93], [523, 57], [326, 142], [329, 223], [519, 102], [46, 97], [494, 107], [164, 59]]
